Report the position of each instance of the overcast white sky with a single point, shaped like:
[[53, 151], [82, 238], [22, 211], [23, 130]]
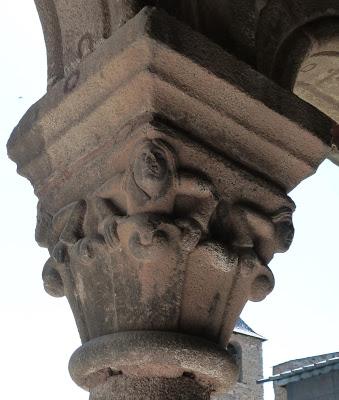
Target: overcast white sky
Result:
[[38, 333]]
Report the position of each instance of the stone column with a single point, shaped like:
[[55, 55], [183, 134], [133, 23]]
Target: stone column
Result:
[[162, 166]]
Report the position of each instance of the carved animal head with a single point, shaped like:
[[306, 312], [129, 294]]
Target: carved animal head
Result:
[[153, 168], [284, 229]]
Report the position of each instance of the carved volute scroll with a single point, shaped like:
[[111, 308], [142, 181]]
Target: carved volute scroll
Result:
[[146, 236]]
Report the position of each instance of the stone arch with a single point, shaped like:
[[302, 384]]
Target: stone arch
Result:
[[72, 29], [284, 36]]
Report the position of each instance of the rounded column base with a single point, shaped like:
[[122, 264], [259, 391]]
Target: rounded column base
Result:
[[152, 361], [123, 388]]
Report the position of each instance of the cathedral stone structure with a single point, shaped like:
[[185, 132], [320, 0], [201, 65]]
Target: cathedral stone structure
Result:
[[162, 155]]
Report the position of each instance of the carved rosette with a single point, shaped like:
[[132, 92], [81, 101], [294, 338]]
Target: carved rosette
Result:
[[162, 200]]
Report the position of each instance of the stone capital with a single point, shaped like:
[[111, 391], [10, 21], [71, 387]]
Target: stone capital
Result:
[[162, 166]]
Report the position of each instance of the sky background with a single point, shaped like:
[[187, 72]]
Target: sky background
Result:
[[38, 333]]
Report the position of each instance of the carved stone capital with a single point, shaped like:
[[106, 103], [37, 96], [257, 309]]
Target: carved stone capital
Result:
[[162, 166], [136, 252]]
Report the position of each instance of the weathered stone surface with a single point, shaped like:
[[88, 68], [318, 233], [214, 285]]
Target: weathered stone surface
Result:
[[248, 353], [282, 35], [155, 68], [162, 166], [74, 29], [297, 43], [144, 101], [184, 388], [317, 81], [152, 354], [280, 38]]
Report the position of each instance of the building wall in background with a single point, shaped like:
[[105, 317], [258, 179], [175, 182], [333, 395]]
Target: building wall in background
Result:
[[251, 365], [322, 387], [315, 388]]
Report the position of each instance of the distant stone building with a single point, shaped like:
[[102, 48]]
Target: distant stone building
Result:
[[246, 345], [311, 378]]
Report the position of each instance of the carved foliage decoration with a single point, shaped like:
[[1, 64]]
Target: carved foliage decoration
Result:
[[154, 248]]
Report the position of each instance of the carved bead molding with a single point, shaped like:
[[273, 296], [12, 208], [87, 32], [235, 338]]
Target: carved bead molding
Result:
[[162, 166]]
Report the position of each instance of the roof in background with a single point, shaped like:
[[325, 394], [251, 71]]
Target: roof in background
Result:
[[304, 372], [242, 328]]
